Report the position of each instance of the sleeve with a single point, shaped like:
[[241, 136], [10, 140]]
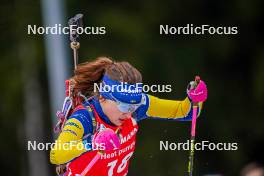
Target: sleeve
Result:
[[156, 108], [69, 144]]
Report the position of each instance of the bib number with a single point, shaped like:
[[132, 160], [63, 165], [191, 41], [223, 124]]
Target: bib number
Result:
[[122, 165]]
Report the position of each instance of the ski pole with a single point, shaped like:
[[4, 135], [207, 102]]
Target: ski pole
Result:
[[194, 116], [74, 23], [112, 142], [92, 163]]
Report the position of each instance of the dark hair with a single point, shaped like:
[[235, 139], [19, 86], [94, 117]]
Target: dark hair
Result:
[[89, 73]]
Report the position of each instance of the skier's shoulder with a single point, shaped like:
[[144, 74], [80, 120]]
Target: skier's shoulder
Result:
[[141, 112], [81, 114]]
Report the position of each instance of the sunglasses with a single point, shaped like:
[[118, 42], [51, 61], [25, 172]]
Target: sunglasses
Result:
[[126, 107]]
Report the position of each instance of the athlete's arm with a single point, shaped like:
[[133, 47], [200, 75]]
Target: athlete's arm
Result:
[[65, 148], [166, 109]]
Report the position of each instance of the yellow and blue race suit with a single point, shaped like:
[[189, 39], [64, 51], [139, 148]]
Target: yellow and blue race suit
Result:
[[80, 123]]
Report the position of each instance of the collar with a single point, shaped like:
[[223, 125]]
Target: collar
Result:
[[95, 102]]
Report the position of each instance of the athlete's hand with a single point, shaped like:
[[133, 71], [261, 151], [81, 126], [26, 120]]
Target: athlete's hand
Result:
[[106, 139], [197, 90]]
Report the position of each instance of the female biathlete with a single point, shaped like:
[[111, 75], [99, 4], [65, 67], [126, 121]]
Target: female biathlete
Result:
[[120, 111]]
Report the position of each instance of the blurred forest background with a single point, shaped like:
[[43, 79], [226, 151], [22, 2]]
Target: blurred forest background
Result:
[[231, 65]]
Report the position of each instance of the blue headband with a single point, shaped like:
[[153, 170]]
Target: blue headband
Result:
[[123, 92]]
